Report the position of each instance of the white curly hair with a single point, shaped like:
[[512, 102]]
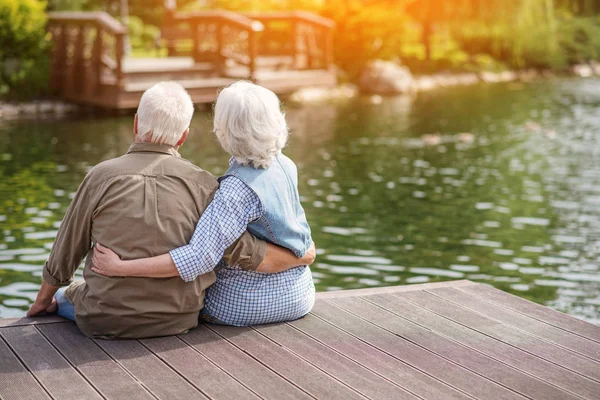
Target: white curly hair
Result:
[[249, 123]]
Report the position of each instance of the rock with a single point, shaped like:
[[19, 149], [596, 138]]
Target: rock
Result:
[[467, 79], [431, 139], [494, 77], [46, 106], [527, 75], [9, 110], [317, 94], [465, 137], [386, 77], [29, 109], [425, 83], [583, 70]]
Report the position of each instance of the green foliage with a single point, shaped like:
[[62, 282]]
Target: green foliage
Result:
[[365, 31], [142, 36], [23, 47], [579, 38]]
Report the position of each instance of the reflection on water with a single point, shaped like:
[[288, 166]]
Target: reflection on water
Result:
[[497, 184]]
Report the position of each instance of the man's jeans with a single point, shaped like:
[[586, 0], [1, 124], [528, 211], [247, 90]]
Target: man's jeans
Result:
[[65, 307]]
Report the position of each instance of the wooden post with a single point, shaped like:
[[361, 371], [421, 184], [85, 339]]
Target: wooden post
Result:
[[119, 59], [252, 53], [220, 60], [60, 59], [328, 48], [78, 61], [97, 58], [308, 47], [196, 42], [294, 41], [169, 30]]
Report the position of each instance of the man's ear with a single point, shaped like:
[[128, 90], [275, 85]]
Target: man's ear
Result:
[[135, 125], [183, 137]]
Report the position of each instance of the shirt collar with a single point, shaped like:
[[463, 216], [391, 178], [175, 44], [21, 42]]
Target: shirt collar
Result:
[[152, 148], [231, 161]]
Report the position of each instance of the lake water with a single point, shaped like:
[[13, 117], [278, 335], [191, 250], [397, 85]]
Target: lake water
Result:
[[494, 183]]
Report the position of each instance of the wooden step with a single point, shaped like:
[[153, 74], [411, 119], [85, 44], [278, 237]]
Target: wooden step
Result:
[[165, 69]]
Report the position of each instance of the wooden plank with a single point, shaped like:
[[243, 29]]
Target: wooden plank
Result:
[[533, 310], [293, 369], [197, 369], [430, 363], [50, 319], [155, 375], [500, 373], [15, 381], [568, 340], [513, 356], [344, 369], [93, 363], [377, 361], [517, 337], [59, 378], [241, 366], [392, 289]]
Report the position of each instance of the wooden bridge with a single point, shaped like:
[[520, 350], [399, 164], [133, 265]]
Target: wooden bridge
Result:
[[207, 50], [453, 340]]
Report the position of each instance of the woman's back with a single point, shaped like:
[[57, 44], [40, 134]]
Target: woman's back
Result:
[[244, 297], [283, 222]]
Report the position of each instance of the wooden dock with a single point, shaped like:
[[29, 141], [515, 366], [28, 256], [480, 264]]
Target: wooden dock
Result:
[[433, 341], [207, 50]]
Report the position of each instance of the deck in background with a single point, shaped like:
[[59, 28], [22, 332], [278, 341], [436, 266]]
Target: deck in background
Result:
[[434, 341]]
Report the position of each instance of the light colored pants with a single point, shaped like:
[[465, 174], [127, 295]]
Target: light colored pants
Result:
[[65, 307]]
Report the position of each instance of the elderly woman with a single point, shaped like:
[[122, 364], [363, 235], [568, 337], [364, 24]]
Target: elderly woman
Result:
[[259, 192]]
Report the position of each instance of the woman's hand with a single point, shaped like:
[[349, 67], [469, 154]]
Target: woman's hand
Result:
[[107, 262]]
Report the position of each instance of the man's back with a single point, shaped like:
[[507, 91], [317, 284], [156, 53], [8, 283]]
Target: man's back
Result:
[[144, 203]]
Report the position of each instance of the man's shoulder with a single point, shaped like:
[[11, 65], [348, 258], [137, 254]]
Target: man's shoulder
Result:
[[169, 166], [183, 168]]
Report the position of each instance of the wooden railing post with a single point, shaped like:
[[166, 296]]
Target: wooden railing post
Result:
[[170, 24], [119, 58], [329, 56], [308, 32], [78, 62], [97, 58], [195, 41], [220, 61], [60, 58], [252, 53], [294, 41]]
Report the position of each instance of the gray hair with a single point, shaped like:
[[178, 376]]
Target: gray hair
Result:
[[249, 124], [164, 113]]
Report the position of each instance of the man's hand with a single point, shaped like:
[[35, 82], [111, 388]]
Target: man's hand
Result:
[[107, 262], [310, 256], [40, 307]]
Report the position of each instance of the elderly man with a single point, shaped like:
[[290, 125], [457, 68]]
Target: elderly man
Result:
[[142, 204]]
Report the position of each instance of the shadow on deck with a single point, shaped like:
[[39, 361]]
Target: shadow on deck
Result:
[[453, 340], [207, 50]]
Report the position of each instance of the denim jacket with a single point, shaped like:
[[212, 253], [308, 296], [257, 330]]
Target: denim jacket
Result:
[[284, 222]]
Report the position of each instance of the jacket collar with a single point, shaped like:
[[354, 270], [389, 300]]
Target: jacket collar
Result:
[[153, 148]]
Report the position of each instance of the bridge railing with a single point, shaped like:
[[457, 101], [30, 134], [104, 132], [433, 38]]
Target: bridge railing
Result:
[[216, 37], [87, 53], [306, 37]]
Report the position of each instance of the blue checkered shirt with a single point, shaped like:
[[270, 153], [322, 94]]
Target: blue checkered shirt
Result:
[[240, 297]]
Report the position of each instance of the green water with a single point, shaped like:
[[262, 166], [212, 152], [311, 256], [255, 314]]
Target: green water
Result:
[[514, 201]]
